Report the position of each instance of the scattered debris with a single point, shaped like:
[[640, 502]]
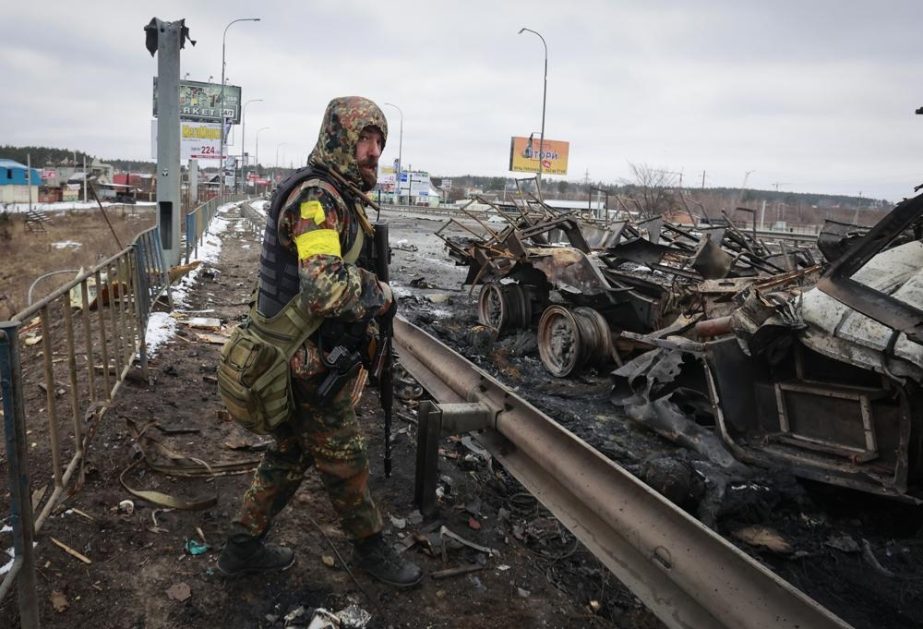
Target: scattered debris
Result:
[[843, 543], [454, 572], [179, 592], [70, 551], [207, 323], [58, 601], [445, 532], [872, 560], [195, 548], [328, 560], [763, 537]]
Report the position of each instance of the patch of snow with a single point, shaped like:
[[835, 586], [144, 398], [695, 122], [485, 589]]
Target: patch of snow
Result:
[[161, 327], [8, 565], [209, 250], [15, 208], [67, 244], [261, 206]]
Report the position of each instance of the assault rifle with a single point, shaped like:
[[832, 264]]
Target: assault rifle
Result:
[[382, 366]]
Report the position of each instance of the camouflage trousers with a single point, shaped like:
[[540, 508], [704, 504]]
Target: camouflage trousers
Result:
[[328, 438]]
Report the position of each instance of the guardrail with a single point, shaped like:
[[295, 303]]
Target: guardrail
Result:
[[682, 571], [63, 359], [198, 220]]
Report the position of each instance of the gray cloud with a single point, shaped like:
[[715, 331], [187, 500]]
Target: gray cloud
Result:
[[818, 94]]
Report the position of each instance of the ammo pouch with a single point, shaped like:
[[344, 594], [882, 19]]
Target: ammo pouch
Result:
[[254, 377]]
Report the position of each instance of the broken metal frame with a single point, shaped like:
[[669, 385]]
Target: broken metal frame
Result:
[[728, 373], [686, 574], [887, 310]]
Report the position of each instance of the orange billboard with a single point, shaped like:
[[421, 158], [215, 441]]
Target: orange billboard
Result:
[[524, 155]]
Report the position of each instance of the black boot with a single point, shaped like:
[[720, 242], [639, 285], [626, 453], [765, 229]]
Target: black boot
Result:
[[380, 560], [245, 554]]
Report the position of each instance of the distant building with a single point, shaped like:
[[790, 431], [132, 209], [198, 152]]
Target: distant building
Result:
[[16, 185], [412, 187]]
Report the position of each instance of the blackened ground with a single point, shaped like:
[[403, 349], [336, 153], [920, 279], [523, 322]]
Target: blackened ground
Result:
[[541, 577], [538, 577]]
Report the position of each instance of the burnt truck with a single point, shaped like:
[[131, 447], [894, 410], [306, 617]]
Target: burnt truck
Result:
[[580, 281], [815, 366], [824, 381]]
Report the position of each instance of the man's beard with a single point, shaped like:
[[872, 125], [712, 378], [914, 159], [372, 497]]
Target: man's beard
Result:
[[368, 171]]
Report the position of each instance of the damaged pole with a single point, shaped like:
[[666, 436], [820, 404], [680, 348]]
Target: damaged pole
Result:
[[21, 516], [166, 39]]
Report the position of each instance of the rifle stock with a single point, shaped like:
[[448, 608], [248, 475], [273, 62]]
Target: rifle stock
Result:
[[382, 256]]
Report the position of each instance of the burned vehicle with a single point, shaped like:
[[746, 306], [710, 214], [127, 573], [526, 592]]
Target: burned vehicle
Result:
[[581, 280], [823, 381]]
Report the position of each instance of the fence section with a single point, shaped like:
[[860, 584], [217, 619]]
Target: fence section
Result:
[[62, 361], [197, 221]]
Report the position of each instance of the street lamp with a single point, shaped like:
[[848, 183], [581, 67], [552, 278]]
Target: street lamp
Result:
[[280, 144], [243, 137], [541, 141], [223, 38], [400, 148], [258, 132]]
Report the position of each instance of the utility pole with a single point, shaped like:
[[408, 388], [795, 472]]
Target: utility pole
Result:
[[29, 178], [166, 39], [703, 180], [855, 218]]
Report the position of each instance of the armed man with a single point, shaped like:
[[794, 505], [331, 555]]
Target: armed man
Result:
[[316, 271]]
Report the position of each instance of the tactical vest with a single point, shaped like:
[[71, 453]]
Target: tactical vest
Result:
[[254, 378], [279, 281]]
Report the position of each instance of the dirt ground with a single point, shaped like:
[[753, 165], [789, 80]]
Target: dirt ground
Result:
[[143, 573], [66, 241]]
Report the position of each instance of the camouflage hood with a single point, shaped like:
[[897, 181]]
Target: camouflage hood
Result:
[[344, 119]]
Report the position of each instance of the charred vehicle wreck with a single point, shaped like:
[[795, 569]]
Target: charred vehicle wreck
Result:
[[580, 281], [823, 381], [751, 352]]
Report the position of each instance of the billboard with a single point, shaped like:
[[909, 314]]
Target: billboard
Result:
[[202, 101], [197, 140], [524, 155]]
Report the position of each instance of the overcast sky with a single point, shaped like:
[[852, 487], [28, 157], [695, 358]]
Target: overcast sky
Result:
[[806, 95]]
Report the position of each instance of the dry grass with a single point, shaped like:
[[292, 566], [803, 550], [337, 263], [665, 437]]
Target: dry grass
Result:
[[25, 255]]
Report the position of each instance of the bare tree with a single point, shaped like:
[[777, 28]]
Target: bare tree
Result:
[[652, 190]]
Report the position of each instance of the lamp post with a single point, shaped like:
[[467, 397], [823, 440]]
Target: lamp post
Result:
[[243, 137], [223, 47], [541, 140], [280, 144], [400, 150], [257, 160]]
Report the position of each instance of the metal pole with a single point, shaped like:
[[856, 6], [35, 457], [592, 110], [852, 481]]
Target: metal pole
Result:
[[29, 178], [223, 48], [21, 516], [256, 188], [400, 150], [168, 139], [541, 140], [243, 136]]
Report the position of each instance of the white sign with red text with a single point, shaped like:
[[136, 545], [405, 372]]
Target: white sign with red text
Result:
[[198, 140]]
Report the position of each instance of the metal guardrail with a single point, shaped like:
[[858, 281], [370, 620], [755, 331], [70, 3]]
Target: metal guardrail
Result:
[[197, 221], [682, 571], [78, 344]]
